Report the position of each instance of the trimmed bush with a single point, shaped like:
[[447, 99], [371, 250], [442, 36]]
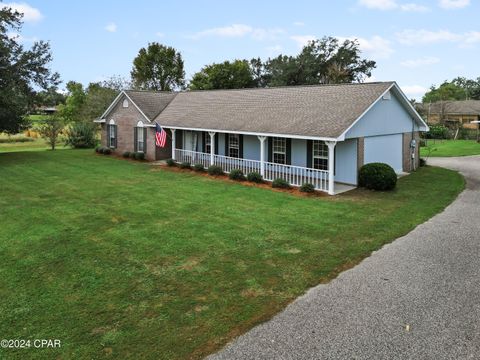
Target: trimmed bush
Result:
[[99, 149], [423, 162], [126, 154], [307, 188], [377, 176], [214, 170], [236, 174], [185, 165], [254, 177], [139, 156], [198, 167], [15, 140], [171, 162], [106, 151], [280, 184], [133, 155]]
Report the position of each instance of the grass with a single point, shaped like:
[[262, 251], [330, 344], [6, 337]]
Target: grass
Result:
[[447, 148], [118, 259]]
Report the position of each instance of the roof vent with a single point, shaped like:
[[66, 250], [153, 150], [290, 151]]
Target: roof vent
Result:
[[386, 96], [125, 103]]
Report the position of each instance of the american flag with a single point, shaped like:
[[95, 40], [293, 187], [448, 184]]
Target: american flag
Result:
[[160, 136]]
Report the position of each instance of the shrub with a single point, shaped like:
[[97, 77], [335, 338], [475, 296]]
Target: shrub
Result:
[[81, 135], [139, 156], [15, 140], [437, 131], [171, 162], [215, 170], [185, 165], [198, 167], [377, 176], [254, 177], [307, 188], [236, 174], [281, 184], [422, 162], [106, 151], [99, 149], [126, 154]]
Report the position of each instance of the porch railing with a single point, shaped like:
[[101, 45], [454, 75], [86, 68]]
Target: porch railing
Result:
[[295, 175]]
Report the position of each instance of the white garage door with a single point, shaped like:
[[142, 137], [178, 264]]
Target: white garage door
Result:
[[386, 149]]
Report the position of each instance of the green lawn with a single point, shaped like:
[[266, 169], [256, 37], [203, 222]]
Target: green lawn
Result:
[[119, 260], [450, 148]]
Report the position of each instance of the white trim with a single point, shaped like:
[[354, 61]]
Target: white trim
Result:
[[99, 121], [140, 124], [115, 102], [252, 133], [405, 100], [111, 122]]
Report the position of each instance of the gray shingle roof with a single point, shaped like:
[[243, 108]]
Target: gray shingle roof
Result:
[[150, 102], [466, 107], [317, 111]]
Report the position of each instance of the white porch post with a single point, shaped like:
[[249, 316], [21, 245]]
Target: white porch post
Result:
[[212, 146], [174, 143], [331, 165], [262, 154]]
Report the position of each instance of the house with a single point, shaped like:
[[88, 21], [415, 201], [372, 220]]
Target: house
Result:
[[453, 112], [318, 134]]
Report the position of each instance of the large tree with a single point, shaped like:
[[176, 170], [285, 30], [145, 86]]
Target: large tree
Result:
[[158, 67], [22, 71], [227, 75], [322, 61]]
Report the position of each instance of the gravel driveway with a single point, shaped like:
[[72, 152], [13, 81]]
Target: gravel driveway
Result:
[[417, 298]]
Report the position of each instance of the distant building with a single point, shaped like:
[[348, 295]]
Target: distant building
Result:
[[453, 112]]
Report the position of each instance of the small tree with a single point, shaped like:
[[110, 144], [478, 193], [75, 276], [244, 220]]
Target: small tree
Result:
[[50, 129]]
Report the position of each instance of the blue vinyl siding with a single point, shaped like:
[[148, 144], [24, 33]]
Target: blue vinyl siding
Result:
[[385, 117], [299, 152], [346, 162], [251, 147], [386, 149]]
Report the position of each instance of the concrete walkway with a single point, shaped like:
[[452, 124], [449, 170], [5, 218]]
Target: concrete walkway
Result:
[[417, 298]]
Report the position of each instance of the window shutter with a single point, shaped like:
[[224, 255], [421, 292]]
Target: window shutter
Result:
[[135, 144], [309, 153], [240, 146], [226, 144], [288, 145], [108, 135], [145, 140], [216, 142], [115, 128], [204, 141], [269, 151], [179, 139]]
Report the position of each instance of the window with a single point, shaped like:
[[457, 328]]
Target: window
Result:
[[207, 143], [125, 103], [233, 145], [279, 150], [320, 155], [112, 132], [140, 137]]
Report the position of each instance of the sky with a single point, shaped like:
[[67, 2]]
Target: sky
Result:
[[414, 42]]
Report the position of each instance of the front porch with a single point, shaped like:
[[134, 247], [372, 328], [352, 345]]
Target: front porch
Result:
[[322, 179]]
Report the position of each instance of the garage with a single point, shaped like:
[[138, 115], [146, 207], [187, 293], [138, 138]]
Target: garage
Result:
[[386, 149]]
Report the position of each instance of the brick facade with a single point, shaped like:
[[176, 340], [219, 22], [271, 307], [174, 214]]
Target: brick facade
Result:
[[126, 119], [407, 159]]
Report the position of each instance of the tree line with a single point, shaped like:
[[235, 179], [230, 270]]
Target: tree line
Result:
[[27, 82]]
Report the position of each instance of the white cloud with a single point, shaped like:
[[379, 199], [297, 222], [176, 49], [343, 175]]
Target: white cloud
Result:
[[376, 47], [299, 23], [427, 60], [20, 38], [414, 90], [160, 34], [421, 37], [111, 27], [302, 40], [453, 4], [239, 30], [386, 5], [30, 14]]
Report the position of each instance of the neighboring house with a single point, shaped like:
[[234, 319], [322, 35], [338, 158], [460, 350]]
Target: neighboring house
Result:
[[453, 112], [316, 134]]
